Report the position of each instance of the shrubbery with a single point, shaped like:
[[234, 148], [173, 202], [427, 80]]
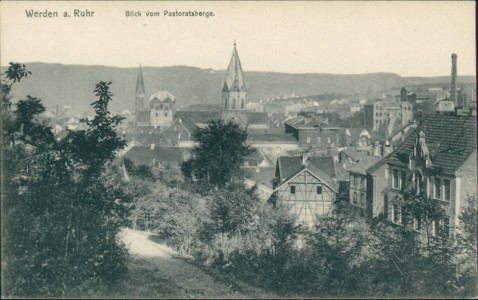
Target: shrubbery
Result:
[[62, 201]]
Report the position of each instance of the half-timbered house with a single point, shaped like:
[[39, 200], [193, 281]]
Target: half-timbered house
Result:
[[307, 186]]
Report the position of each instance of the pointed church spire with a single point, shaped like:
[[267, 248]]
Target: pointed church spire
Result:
[[140, 83], [234, 76]]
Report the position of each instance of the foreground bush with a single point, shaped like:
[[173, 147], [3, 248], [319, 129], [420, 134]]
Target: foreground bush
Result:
[[62, 203]]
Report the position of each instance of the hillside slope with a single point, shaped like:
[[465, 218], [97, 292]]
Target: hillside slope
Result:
[[73, 84]]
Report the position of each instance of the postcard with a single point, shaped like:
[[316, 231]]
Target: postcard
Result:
[[238, 149]]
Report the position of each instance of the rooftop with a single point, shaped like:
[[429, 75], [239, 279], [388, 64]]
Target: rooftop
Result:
[[451, 140], [162, 95], [363, 165]]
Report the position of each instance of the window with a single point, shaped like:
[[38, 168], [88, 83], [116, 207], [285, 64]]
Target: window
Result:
[[445, 228], [418, 182], [157, 115], [362, 199], [395, 178], [292, 189], [417, 224], [242, 103], [362, 184], [308, 140], [319, 190], [442, 227], [403, 179], [446, 183], [437, 188], [386, 173], [166, 114], [355, 198], [233, 103], [396, 214], [355, 181], [328, 140], [225, 102], [318, 140]]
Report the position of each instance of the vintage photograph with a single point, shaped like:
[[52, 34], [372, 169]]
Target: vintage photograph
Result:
[[238, 149]]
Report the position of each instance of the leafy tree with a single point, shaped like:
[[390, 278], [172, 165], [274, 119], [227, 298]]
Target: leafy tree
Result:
[[466, 256], [98, 144], [221, 151], [13, 74], [61, 207]]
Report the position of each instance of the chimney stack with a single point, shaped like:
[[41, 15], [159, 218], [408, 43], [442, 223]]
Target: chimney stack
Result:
[[454, 96]]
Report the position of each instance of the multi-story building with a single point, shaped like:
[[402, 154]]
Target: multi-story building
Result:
[[308, 186], [358, 184], [388, 112], [438, 159], [311, 130]]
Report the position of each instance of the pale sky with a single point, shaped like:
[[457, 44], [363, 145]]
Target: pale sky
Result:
[[407, 38]]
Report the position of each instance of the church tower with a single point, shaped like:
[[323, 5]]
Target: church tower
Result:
[[234, 92], [140, 95]]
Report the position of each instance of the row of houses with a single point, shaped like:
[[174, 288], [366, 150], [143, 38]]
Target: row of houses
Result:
[[436, 159]]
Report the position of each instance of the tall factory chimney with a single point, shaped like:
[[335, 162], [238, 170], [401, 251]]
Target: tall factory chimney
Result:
[[454, 96]]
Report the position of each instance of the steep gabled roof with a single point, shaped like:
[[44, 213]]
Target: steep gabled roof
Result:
[[377, 165], [354, 154], [191, 118], [288, 166], [140, 83], [162, 95], [324, 163], [254, 158], [234, 77], [265, 175], [322, 166], [451, 140], [362, 166], [178, 124]]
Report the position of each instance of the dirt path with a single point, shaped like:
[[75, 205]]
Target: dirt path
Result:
[[186, 279]]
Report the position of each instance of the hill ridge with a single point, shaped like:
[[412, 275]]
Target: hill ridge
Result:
[[73, 85]]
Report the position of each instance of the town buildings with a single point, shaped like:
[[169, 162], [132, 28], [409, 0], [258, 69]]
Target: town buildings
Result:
[[438, 160], [358, 184], [308, 186], [434, 156], [388, 113]]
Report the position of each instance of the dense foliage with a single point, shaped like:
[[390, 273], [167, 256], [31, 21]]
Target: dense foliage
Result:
[[231, 231], [62, 201], [221, 150]]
